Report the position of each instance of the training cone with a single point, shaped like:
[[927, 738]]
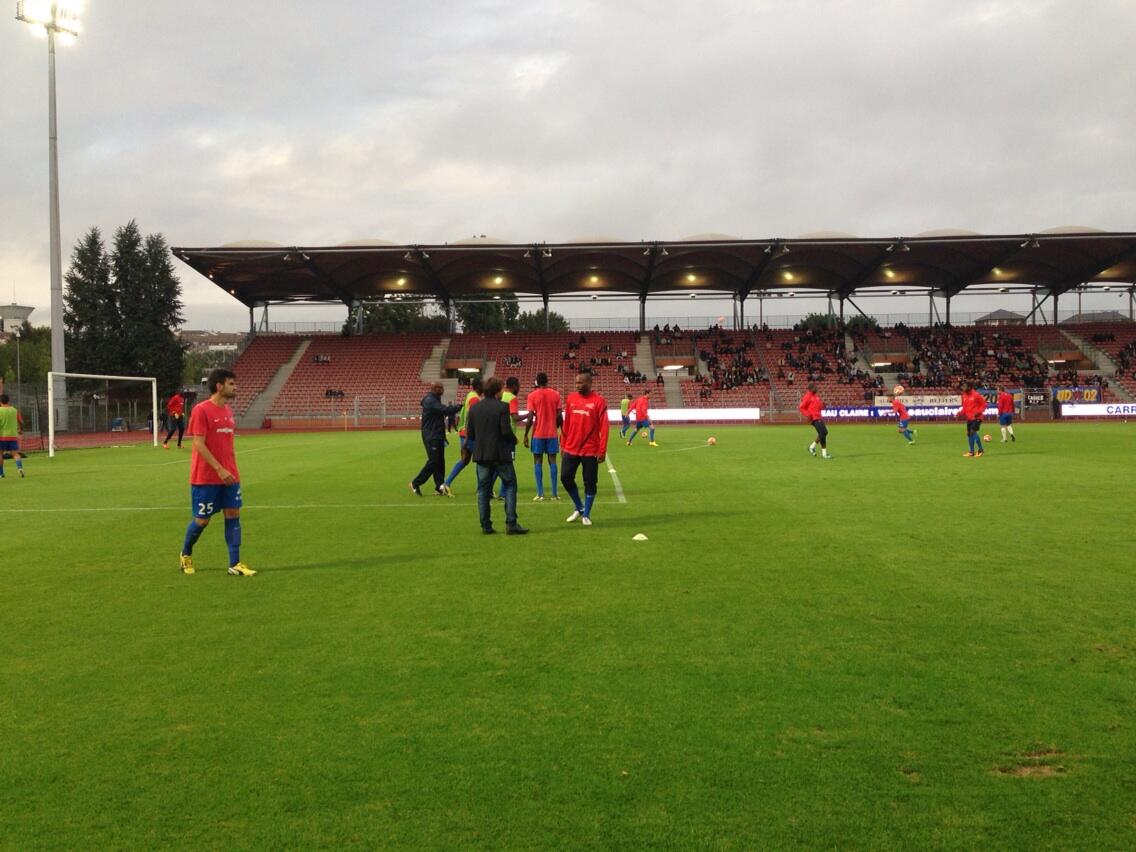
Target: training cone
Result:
[[638, 537]]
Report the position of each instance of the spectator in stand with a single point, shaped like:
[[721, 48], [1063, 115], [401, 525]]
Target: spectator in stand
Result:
[[812, 409]]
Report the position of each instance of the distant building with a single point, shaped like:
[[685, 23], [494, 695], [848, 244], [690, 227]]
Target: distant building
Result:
[[1001, 317], [211, 341], [1096, 316]]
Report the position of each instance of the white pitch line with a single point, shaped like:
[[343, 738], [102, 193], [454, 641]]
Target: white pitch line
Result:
[[615, 481], [685, 449], [424, 504]]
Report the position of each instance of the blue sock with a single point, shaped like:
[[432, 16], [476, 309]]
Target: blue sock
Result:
[[233, 539], [553, 473], [19, 464], [589, 499], [652, 436], [574, 493], [458, 467], [907, 434], [538, 471], [634, 432], [192, 534]]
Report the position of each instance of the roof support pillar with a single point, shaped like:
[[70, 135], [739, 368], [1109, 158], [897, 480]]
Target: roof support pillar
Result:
[[842, 310], [1055, 309], [643, 312], [948, 310], [252, 321], [741, 312], [544, 299]]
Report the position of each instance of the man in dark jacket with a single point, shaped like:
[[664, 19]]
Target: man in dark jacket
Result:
[[490, 429], [434, 416]]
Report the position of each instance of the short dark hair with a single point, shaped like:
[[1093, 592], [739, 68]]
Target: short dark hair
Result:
[[493, 387], [3, 399], [218, 377], [476, 384], [541, 379], [513, 383]]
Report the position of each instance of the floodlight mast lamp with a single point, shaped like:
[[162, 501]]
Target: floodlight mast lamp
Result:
[[60, 18]]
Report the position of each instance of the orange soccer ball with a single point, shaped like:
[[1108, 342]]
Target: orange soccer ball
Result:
[[711, 441], [986, 437]]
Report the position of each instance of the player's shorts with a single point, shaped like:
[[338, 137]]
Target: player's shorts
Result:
[[643, 424], [208, 500], [973, 425], [902, 424], [1005, 419], [549, 446], [9, 445]]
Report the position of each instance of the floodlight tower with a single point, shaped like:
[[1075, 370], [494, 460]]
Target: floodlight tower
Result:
[[56, 17]]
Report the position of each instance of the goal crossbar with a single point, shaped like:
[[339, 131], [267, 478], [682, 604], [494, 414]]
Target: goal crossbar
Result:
[[51, 401]]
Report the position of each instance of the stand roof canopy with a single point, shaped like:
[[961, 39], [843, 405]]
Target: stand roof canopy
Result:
[[942, 262]]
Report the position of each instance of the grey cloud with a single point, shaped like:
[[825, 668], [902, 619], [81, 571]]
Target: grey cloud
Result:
[[431, 121]]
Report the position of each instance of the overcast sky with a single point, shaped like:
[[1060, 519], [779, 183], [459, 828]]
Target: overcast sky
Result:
[[425, 121]]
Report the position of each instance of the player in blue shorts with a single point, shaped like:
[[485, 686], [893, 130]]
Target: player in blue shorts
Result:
[[214, 481], [543, 421]]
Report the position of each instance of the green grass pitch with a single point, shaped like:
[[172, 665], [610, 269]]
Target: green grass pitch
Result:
[[899, 648]]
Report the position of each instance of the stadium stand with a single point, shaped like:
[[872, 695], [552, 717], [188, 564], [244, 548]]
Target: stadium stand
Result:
[[793, 358], [1118, 342], [378, 369], [559, 354], [722, 368], [258, 363]]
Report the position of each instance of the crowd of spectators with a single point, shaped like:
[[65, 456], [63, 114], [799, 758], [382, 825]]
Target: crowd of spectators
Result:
[[728, 364], [949, 356]]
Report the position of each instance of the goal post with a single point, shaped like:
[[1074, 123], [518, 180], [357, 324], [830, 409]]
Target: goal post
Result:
[[51, 401]]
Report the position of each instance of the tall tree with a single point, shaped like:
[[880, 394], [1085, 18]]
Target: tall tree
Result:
[[535, 321], [121, 310], [401, 313], [489, 315], [91, 319], [163, 355]]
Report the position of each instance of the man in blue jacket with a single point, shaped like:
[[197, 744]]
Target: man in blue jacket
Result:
[[434, 416]]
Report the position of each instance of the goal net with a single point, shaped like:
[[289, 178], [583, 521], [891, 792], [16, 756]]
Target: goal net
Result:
[[90, 410]]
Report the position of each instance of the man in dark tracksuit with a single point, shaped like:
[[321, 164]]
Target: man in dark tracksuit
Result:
[[434, 416], [489, 428]]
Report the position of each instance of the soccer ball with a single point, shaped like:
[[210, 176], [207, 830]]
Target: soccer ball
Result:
[[897, 390], [711, 441], [644, 434], [986, 437]]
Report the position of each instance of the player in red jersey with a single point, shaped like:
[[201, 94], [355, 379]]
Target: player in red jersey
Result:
[[544, 419], [175, 419], [214, 481], [812, 409], [584, 442], [973, 407], [642, 411], [1006, 413], [902, 417]]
